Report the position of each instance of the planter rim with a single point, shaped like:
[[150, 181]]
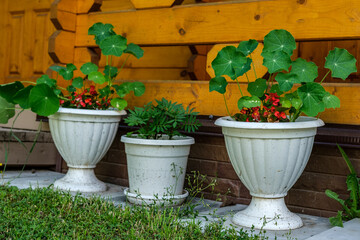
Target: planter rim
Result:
[[177, 141], [90, 112], [301, 123]]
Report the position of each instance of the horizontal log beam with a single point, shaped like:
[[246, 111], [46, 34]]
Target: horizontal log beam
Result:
[[196, 94], [229, 22]]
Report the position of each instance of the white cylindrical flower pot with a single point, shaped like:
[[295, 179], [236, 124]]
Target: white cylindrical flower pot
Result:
[[269, 158], [156, 169], [82, 138]]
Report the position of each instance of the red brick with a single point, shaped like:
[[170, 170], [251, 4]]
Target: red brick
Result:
[[226, 170], [203, 166]]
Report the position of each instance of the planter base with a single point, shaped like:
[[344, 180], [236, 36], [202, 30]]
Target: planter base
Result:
[[167, 201], [80, 180], [267, 214]]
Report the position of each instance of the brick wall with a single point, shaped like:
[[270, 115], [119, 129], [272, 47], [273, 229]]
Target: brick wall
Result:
[[326, 170]]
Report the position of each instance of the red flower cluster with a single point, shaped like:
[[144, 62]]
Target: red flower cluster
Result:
[[271, 111], [88, 99]]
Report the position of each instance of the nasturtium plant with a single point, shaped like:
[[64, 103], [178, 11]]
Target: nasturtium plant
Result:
[[94, 90], [291, 87]]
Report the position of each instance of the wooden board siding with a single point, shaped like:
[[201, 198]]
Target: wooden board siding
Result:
[[26, 28]]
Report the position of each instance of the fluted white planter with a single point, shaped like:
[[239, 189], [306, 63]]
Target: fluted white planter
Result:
[[269, 158], [156, 169], [82, 138]]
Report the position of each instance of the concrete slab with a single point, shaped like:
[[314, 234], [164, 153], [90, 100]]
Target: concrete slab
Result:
[[315, 228], [350, 231]]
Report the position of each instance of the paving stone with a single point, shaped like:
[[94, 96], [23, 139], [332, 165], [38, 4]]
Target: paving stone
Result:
[[350, 231], [315, 228]]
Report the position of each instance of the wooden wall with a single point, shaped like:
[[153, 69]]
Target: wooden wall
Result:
[[26, 27], [178, 41]]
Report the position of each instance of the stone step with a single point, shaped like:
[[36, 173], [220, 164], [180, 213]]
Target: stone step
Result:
[[350, 231]]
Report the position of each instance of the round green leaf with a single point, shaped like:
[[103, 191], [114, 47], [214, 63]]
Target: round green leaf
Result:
[[7, 110], [279, 40], [8, 91], [22, 97], [68, 72], [227, 60], [135, 50], [122, 89], [104, 91], [218, 84], [138, 88], [43, 100], [331, 101], [118, 103], [78, 82], [276, 61], [247, 47], [71, 88], [101, 31], [304, 71], [244, 68], [113, 45], [311, 95], [285, 102], [46, 80], [110, 71], [275, 88], [341, 63], [257, 88], [285, 81], [294, 99], [88, 67], [97, 77], [249, 102]]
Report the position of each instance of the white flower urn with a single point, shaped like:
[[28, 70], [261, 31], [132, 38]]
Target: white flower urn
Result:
[[269, 158], [156, 169], [82, 137]]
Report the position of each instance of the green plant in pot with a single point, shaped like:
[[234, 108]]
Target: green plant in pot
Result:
[[269, 141], [84, 115], [157, 152]]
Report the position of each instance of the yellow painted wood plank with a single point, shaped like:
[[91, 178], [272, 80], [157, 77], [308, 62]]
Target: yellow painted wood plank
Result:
[[230, 22], [141, 4], [116, 5], [155, 57], [196, 94], [61, 46]]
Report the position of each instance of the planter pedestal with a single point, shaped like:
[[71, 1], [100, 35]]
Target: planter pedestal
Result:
[[267, 213], [82, 138], [269, 158], [80, 179]]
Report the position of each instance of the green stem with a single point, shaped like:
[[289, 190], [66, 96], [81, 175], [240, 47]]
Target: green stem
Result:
[[122, 66], [34, 83], [237, 81], [63, 98], [253, 65], [325, 76], [227, 109], [247, 77], [268, 82]]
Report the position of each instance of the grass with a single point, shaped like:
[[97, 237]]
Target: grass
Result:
[[44, 213]]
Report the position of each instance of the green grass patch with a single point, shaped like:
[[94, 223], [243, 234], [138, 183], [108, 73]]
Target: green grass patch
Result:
[[44, 213]]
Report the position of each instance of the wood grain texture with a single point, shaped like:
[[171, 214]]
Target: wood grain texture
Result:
[[154, 57], [215, 22], [116, 5], [61, 46], [23, 51], [196, 94], [142, 4]]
